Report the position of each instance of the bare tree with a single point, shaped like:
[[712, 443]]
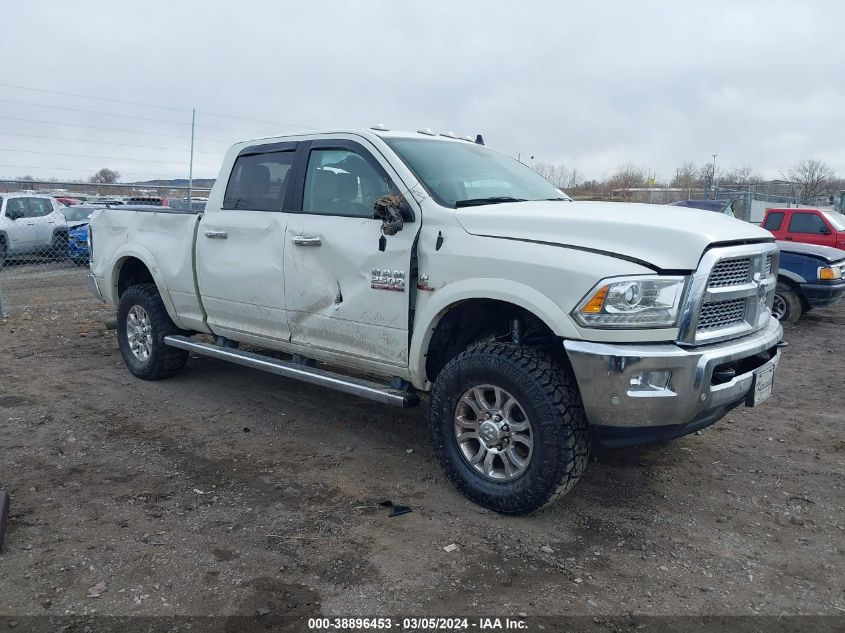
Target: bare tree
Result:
[[105, 176], [741, 176], [815, 177], [687, 176], [560, 176], [627, 176]]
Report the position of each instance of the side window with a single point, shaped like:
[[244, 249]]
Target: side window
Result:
[[806, 223], [39, 207], [774, 221], [259, 182], [17, 205], [342, 182]]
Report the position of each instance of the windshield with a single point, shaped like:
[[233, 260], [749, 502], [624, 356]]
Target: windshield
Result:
[[836, 219], [76, 213], [462, 174]]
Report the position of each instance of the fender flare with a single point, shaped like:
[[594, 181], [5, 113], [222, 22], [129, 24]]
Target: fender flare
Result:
[[444, 299], [145, 257], [791, 276]]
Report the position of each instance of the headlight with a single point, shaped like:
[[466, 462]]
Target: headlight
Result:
[[632, 302], [829, 273]]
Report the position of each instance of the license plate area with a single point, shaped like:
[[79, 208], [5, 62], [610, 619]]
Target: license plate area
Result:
[[761, 387]]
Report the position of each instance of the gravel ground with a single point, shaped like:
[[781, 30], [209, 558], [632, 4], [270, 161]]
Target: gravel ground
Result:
[[228, 491]]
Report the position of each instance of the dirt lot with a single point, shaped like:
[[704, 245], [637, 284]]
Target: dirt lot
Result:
[[226, 491]]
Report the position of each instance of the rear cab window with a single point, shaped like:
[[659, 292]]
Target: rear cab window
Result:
[[260, 181], [774, 220]]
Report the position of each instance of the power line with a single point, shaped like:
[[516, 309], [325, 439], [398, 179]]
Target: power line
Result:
[[64, 138], [75, 94], [111, 129], [136, 160], [126, 116], [150, 105], [78, 169], [100, 112]]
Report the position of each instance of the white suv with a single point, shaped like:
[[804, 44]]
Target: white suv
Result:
[[31, 224]]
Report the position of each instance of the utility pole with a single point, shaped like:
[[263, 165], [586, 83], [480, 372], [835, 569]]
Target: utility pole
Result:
[[713, 180], [191, 164]]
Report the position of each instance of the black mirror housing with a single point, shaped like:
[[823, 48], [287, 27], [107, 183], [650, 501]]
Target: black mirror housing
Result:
[[14, 215]]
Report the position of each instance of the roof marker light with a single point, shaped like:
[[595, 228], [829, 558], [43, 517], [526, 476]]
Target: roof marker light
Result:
[[381, 127], [467, 138], [427, 131], [449, 134]]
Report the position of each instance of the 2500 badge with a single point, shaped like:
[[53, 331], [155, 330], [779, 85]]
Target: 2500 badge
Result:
[[385, 279]]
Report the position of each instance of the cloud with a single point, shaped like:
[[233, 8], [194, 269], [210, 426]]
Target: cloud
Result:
[[591, 85]]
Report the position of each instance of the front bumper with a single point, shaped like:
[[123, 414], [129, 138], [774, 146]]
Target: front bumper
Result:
[[604, 373], [823, 294]]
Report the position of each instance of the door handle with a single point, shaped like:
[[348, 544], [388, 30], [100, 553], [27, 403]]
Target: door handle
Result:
[[307, 240], [788, 238], [217, 235], [30, 223], [50, 222]]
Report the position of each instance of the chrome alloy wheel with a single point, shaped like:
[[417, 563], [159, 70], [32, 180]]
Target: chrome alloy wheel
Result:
[[779, 307], [493, 433], [139, 333]]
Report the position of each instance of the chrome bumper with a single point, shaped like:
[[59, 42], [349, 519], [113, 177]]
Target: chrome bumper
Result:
[[95, 287], [604, 373]]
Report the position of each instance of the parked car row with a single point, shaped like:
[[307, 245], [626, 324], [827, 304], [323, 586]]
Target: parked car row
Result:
[[811, 272]]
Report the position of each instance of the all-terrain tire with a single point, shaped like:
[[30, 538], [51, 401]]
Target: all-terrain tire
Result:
[[162, 361], [549, 396], [788, 307]]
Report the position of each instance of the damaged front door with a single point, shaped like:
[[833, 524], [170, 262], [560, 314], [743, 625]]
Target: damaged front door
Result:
[[347, 285]]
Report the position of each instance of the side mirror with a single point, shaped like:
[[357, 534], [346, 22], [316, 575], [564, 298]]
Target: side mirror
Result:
[[14, 214], [393, 210]]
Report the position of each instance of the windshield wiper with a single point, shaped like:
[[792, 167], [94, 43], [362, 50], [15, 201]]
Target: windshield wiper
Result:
[[474, 202]]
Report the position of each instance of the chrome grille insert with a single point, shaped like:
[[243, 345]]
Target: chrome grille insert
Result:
[[720, 314], [730, 294], [730, 272]]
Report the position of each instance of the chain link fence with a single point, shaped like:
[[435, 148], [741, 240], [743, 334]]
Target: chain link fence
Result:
[[44, 231]]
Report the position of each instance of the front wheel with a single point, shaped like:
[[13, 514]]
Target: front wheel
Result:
[[508, 427], [787, 306], [142, 324]]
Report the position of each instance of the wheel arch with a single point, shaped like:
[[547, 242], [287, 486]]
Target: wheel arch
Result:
[[135, 266], [794, 282], [502, 298]]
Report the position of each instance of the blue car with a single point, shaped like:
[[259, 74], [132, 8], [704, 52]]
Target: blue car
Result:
[[77, 245], [809, 276], [77, 218]]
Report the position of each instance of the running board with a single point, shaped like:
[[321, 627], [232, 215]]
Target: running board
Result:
[[321, 377]]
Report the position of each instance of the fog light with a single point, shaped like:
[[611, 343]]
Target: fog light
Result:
[[650, 381]]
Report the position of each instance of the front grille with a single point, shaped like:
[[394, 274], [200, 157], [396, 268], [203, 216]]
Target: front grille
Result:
[[731, 272], [720, 314], [767, 269]]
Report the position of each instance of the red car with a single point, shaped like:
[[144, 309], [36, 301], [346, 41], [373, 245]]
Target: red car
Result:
[[811, 226], [68, 202]]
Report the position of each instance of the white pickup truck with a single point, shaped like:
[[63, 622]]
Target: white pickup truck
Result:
[[389, 264]]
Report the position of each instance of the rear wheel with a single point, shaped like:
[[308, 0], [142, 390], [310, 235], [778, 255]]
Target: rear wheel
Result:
[[142, 324], [787, 306], [508, 427]]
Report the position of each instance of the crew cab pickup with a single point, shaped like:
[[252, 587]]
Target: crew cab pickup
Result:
[[810, 226], [391, 265]]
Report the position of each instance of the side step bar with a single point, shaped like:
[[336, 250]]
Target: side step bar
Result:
[[338, 382]]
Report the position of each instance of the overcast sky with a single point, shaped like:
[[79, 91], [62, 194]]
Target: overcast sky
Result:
[[587, 84]]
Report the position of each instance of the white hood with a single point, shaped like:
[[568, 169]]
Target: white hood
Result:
[[669, 238]]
